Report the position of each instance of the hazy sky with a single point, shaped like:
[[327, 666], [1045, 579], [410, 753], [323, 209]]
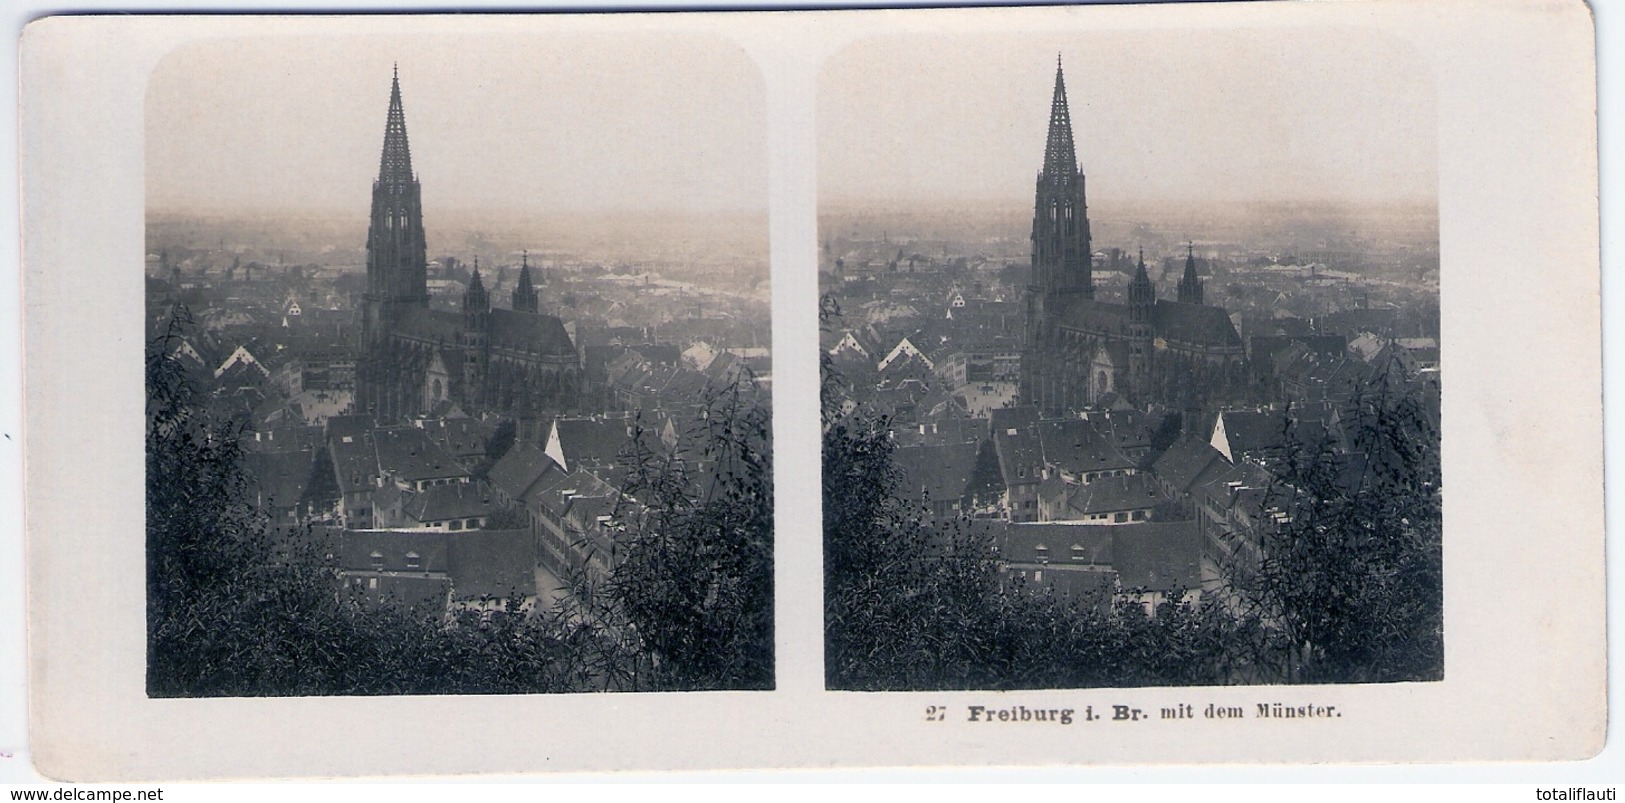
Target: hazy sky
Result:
[[1228, 115], [534, 122]]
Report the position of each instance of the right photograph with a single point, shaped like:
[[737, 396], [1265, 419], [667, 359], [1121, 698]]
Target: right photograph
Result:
[[1130, 351]]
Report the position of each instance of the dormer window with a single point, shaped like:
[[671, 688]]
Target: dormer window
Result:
[[414, 561], [377, 560]]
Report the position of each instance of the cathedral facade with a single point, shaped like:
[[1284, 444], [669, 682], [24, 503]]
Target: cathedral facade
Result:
[[1181, 354], [413, 360]]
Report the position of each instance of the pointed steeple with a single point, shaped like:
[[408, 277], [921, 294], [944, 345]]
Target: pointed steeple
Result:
[[475, 299], [524, 295], [1141, 293], [395, 165], [397, 259], [1060, 156], [1190, 286]]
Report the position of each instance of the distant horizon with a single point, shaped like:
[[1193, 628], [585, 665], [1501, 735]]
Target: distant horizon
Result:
[[503, 215], [1097, 207], [1228, 115], [536, 123]]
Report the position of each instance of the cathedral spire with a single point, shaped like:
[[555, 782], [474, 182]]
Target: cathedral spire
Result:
[[395, 165], [1060, 156]]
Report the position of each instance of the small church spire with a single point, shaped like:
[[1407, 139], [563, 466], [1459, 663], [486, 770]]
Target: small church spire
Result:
[[475, 299], [1190, 285], [525, 297], [1141, 292]]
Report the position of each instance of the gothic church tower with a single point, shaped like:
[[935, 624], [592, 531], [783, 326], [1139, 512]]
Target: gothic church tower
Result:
[[397, 260], [1061, 257]]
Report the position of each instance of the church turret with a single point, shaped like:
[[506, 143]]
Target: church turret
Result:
[[475, 337], [1142, 298], [1190, 286], [1142, 294], [525, 297], [476, 302]]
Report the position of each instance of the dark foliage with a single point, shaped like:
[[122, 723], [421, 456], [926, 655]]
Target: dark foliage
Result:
[[235, 608], [696, 577], [1345, 584], [1348, 572]]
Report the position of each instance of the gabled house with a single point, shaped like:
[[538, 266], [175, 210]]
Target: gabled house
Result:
[[1014, 433], [1121, 499]]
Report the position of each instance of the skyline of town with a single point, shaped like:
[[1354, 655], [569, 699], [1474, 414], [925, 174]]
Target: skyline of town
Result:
[[516, 454], [1125, 451]]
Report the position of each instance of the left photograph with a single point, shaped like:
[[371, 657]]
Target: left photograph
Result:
[[458, 367]]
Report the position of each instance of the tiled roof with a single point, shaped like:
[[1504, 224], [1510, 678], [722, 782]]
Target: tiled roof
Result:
[[1158, 557], [558, 492], [1088, 544], [355, 464], [1195, 324], [280, 476], [589, 442], [1112, 494], [1187, 462], [1245, 487], [293, 438], [1190, 324], [519, 469], [1095, 316], [941, 472], [543, 334], [492, 564], [1015, 436], [354, 427], [1076, 446], [458, 500], [431, 325], [407, 454], [1126, 429], [462, 437], [393, 551], [1251, 431]]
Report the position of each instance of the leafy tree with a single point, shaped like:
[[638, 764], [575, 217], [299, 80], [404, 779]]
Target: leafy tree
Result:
[[1344, 584], [502, 439], [1346, 574], [321, 487], [231, 608], [695, 578], [235, 608], [504, 518]]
